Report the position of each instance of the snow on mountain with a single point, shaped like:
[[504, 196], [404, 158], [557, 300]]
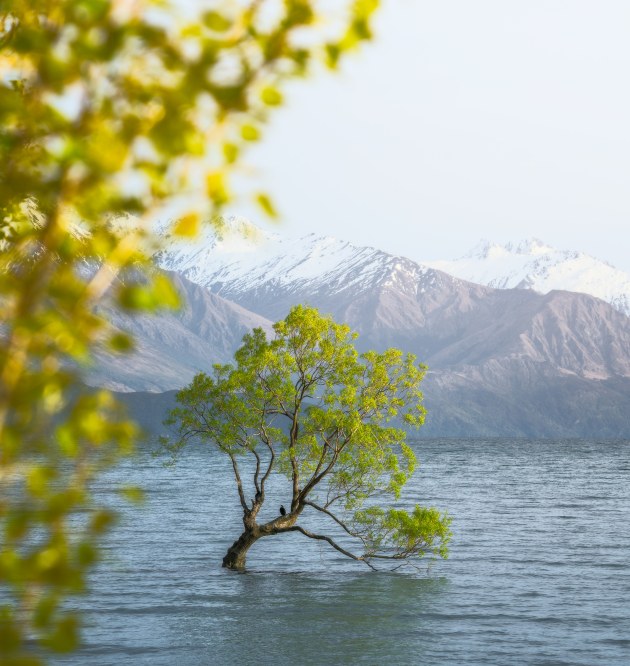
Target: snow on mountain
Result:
[[239, 257], [393, 301], [502, 361], [531, 264]]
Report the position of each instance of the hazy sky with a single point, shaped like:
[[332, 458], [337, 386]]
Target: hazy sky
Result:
[[498, 119]]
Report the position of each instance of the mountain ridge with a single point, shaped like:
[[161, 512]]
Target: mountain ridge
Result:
[[532, 264], [501, 361]]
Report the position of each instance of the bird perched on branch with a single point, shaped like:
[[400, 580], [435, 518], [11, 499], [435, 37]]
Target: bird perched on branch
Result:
[[283, 511]]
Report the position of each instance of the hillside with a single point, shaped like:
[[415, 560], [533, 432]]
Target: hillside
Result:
[[502, 361]]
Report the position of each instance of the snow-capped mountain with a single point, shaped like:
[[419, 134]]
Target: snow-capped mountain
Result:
[[501, 361], [382, 296], [239, 258], [531, 264], [391, 300]]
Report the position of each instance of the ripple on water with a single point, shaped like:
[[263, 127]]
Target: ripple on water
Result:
[[538, 572]]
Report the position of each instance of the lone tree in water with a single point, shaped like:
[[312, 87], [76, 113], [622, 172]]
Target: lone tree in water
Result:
[[306, 404]]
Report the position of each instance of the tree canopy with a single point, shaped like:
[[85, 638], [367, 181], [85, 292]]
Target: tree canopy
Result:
[[306, 404], [110, 107]]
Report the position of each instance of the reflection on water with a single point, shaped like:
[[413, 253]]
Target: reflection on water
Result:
[[538, 572], [328, 621]]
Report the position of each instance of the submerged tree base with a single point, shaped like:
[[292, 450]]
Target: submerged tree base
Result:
[[237, 553]]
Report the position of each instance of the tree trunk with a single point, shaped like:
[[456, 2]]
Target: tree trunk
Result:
[[237, 552]]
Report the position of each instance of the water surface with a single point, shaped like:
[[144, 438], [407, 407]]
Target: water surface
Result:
[[538, 571]]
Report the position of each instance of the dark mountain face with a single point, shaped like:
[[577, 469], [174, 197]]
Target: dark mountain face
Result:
[[526, 406]]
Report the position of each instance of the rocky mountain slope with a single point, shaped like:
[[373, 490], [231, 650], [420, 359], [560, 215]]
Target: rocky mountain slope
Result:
[[502, 361], [531, 264], [392, 300], [171, 347]]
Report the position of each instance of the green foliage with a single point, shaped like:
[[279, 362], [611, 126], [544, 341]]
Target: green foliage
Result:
[[108, 107], [305, 403], [425, 530]]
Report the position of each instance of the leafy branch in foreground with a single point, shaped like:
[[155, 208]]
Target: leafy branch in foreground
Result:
[[108, 108], [306, 404]]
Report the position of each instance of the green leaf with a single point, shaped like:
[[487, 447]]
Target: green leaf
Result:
[[271, 96], [121, 342], [266, 204], [66, 635], [216, 21], [230, 152], [133, 494], [187, 226], [250, 133]]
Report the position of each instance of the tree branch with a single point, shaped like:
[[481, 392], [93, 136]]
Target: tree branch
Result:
[[257, 472], [265, 383], [265, 439], [294, 466], [396, 556], [239, 484], [332, 515], [318, 468], [314, 480], [336, 546]]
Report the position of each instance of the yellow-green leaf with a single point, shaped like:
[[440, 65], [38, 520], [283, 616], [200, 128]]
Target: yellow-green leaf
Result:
[[187, 226], [250, 133], [271, 96], [266, 204]]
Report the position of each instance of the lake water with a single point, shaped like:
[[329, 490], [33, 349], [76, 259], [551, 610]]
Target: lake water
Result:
[[539, 571]]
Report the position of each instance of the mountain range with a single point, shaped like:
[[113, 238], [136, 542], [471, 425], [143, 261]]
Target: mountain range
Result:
[[531, 264], [501, 361]]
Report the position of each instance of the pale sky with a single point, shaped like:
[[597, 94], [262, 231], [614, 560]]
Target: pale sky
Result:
[[498, 119]]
